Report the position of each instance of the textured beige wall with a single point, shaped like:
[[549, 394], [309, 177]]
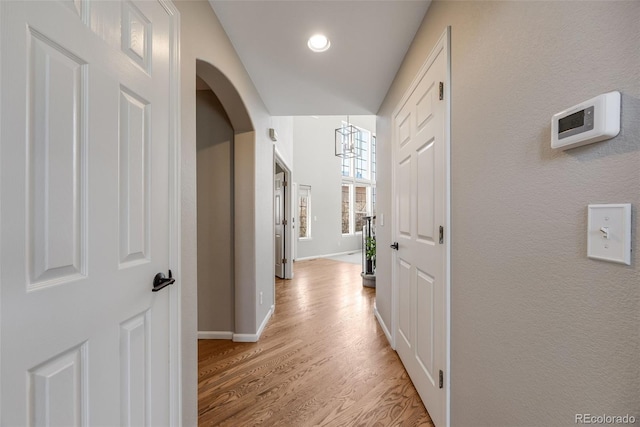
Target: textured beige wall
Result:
[[539, 331], [215, 214]]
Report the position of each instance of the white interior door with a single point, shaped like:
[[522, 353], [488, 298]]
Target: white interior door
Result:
[[278, 205], [85, 203], [420, 168]]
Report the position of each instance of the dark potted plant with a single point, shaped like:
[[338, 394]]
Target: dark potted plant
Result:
[[369, 255]]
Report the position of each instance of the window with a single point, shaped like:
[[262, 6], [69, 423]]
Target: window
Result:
[[346, 211], [304, 212], [346, 167], [373, 159], [373, 201], [361, 160], [358, 183], [361, 207]]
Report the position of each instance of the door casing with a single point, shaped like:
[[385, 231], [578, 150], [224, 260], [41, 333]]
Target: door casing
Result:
[[288, 214]]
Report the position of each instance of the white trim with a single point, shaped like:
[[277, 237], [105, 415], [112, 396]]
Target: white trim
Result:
[[215, 335], [1, 91], [255, 337], [293, 199], [265, 321], [281, 159], [329, 255], [175, 205], [443, 43], [381, 322], [245, 338], [447, 234]]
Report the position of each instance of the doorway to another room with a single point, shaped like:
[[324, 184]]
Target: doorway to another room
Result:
[[215, 216]]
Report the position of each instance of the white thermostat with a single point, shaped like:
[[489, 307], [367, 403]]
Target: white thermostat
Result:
[[591, 121]]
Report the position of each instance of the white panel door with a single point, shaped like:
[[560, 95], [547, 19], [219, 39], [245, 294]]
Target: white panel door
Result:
[[420, 210], [84, 216], [278, 206]]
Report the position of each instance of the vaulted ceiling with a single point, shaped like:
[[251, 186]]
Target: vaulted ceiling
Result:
[[368, 42]]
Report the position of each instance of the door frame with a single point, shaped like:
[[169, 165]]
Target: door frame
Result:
[[443, 43], [279, 205], [288, 214], [175, 206]]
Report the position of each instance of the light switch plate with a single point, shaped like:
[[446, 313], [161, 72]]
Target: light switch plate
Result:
[[609, 233]]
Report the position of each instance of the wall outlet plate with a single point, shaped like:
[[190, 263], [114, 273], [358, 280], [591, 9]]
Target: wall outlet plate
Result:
[[273, 134], [609, 233]]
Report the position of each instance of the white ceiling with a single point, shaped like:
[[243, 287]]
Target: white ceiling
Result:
[[368, 42]]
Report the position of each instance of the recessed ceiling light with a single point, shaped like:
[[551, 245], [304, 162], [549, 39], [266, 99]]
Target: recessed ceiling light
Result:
[[318, 43]]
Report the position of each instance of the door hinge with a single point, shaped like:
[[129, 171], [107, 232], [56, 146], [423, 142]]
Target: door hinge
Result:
[[441, 91], [441, 379], [284, 183], [284, 260], [284, 222], [441, 235]]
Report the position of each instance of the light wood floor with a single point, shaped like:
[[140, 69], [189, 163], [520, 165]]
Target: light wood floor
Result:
[[322, 360]]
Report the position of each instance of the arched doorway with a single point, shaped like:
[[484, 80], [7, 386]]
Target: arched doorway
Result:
[[224, 133]]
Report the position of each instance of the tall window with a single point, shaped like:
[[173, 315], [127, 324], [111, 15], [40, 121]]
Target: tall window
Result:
[[373, 174], [358, 183], [346, 209], [361, 207], [346, 167], [361, 160], [373, 158], [304, 211], [373, 200]]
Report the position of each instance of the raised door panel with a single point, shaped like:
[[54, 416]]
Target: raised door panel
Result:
[[404, 129], [137, 36], [405, 326], [403, 190], [425, 183], [424, 105], [58, 390], [56, 163], [134, 169], [425, 325], [134, 371], [75, 5], [278, 212]]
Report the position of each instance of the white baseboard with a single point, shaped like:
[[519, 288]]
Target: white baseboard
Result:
[[382, 325], [254, 337], [265, 321], [328, 255], [215, 335], [245, 337]]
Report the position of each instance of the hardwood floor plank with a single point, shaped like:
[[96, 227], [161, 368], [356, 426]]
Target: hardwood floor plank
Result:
[[322, 360]]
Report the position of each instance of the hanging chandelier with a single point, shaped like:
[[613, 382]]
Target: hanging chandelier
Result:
[[346, 140]]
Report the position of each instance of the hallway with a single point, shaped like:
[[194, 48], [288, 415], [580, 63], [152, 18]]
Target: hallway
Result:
[[322, 360]]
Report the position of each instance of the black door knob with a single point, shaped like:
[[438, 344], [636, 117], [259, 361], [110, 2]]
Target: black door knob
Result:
[[394, 245], [161, 282]]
